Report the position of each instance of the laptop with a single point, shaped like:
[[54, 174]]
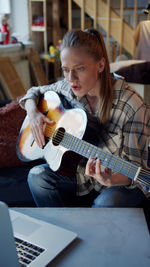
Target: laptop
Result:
[[25, 241]]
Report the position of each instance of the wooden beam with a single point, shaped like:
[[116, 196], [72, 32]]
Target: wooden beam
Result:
[[128, 31], [30, 19], [135, 14], [56, 23], [83, 15], [121, 26], [135, 25], [95, 14], [148, 16], [37, 0], [45, 25], [69, 14], [108, 28]]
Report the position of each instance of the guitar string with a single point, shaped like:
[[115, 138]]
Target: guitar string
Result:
[[145, 178], [117, 159], [86, 145], [76, 143], [143, 182], [129, 167], [139, 179]]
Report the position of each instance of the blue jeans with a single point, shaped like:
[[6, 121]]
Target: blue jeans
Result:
[[51, 189]]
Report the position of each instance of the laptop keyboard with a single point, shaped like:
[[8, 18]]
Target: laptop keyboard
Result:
[[27, 252]]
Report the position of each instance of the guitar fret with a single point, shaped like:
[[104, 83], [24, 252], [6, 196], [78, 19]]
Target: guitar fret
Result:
[[119, 166], [132, 171], [113, 163], [76, 145], [107, 159], [86, 150], [129, 169], [83, 149], [123, 167], [104, 159], [94, 152], [68, 142]]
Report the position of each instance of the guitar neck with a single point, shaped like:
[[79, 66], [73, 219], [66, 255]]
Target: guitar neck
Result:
[[109, 160], [88, 150]]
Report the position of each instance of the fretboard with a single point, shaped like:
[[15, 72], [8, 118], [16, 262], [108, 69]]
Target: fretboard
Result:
[[88, 150]]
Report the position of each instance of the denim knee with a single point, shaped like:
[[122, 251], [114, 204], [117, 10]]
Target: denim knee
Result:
[[119, 196], [36, 176]]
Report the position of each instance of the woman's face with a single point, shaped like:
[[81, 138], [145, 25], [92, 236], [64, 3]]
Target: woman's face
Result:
[[81, 71]]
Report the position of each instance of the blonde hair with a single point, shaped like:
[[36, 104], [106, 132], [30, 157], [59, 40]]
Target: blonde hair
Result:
[[93, 42]]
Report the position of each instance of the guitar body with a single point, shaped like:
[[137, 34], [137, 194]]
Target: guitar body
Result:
[[73, 121]]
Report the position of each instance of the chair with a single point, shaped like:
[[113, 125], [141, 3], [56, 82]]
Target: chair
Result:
[[11, 84], [37, 73]]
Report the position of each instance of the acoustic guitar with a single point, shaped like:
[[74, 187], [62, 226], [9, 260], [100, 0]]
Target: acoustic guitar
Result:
[[66, 135]]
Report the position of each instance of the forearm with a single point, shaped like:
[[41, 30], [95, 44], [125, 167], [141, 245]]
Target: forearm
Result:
[[33, 93], [30, 106]]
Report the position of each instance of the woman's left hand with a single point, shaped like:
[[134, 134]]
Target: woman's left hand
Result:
[[93, 168]]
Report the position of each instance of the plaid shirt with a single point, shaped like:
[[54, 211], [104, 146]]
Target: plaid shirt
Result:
[[127, 133]]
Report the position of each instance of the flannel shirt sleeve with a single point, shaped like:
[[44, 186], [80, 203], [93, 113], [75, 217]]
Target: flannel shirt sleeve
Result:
[[35, 92], [137, 138]]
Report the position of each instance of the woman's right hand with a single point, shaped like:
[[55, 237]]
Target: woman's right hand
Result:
[[37, 122]]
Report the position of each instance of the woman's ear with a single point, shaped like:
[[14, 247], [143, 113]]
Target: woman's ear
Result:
[[101, 65]]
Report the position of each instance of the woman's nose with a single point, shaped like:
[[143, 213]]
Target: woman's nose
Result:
[[72, 75]]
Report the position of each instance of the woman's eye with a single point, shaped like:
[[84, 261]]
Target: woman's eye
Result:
[[81, 68], [65, 71]]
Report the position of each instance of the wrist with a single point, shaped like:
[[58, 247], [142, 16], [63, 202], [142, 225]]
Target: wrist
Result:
[[30, 106]]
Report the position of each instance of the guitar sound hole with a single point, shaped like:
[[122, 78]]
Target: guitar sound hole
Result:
[[58, 136]]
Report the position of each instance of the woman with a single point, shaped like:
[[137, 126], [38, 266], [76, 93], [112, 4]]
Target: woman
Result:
[[125, 131]]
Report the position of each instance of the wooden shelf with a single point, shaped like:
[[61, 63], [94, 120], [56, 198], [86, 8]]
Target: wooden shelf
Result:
[[38, 9], [38, 28], [36, 0], [46, 12]]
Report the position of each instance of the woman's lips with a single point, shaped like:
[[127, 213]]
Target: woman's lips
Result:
[[76, 88]]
